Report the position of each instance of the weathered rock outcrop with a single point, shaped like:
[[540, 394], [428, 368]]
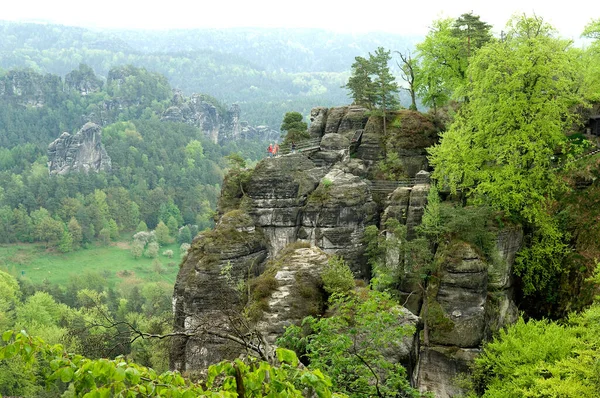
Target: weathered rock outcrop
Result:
[[81, 152], [322, 200], [83, 80], [29, 88], [276, 192], [218, 125], [318, 119], [409, 134], [296, 291], [336, 215], [205, 296], [463, 308]]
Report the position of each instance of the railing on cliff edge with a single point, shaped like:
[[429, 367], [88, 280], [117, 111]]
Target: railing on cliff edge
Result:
[[311, 144], [591, 152]]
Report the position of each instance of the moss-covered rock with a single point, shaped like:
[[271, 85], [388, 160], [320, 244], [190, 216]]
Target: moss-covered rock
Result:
[[456, 302], [207, 291], [290, 289]]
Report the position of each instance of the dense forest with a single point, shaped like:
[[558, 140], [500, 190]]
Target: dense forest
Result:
[[512, 114]]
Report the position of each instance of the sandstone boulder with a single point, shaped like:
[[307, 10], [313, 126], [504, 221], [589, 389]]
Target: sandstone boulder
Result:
[[334, 142], [318, 120], [336, 214]]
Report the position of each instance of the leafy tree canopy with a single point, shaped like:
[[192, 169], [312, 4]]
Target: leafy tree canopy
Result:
[[500, 148]]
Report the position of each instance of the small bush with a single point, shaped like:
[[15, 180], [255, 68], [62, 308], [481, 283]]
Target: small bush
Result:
[[168, 253], [137, 249], [152, 250], [183, 249], [157, 266], [337, 276]]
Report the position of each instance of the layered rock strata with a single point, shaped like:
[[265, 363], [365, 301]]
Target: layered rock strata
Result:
[[320, 202], [219, 126], [81, 152]]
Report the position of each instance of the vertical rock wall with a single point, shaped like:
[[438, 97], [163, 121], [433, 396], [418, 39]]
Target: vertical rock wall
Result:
[[81, 152], [322, 199]]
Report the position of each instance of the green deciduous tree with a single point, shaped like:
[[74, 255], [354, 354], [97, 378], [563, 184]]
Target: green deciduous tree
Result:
[[65, 244], [500, 147], [445, 55], [163, 235], [80, 376], [541, 359], [76, 232], [351, 344]]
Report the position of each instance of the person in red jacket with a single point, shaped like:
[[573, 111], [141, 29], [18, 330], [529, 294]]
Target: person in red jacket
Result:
[[270, 150]]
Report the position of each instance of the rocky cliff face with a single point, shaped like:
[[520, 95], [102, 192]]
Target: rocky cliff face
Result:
[[81, 152], [323, 199], [218, 125], [469, 300], [320, 199]]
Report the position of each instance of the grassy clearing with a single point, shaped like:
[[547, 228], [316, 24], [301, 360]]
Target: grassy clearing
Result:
[[34, 262]]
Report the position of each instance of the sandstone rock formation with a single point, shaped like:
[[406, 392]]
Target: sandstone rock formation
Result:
[[205, 296], [323, 200], [464, 307], [296, 291], [218, 125], [83, 80], [81, 152]]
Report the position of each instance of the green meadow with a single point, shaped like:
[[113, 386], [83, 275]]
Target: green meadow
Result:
[[115, 263]]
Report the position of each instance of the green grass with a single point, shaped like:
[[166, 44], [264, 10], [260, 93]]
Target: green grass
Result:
[[36, 263]]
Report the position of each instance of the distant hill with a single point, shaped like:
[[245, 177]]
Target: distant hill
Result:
[[267, 71]]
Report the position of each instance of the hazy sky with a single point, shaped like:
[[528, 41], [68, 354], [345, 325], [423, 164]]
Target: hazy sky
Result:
[[405, 17]]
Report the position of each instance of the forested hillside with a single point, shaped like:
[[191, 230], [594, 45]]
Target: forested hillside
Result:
[[268, 71], [448, 251]]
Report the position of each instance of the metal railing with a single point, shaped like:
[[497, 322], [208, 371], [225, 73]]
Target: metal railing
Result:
[[311, 144], [389, 186]]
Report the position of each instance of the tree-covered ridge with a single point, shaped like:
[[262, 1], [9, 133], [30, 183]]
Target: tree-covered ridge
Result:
[[155, 164], [270, 71]]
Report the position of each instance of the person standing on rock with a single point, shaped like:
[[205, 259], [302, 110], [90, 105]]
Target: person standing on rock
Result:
[[270, 150], [293, 146], [276, 150]]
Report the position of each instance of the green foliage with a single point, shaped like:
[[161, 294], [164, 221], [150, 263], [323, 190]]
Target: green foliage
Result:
[[371, 83], [445, 56], [337, 276], [8, 299], [65, 244], [541, 359], [293, 128], [394, 258], [350, 345], [142, 227], [390, 168], [137, 249], [76, 375], [163, 234], [184, 235], [152, 250], [500, 147]]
